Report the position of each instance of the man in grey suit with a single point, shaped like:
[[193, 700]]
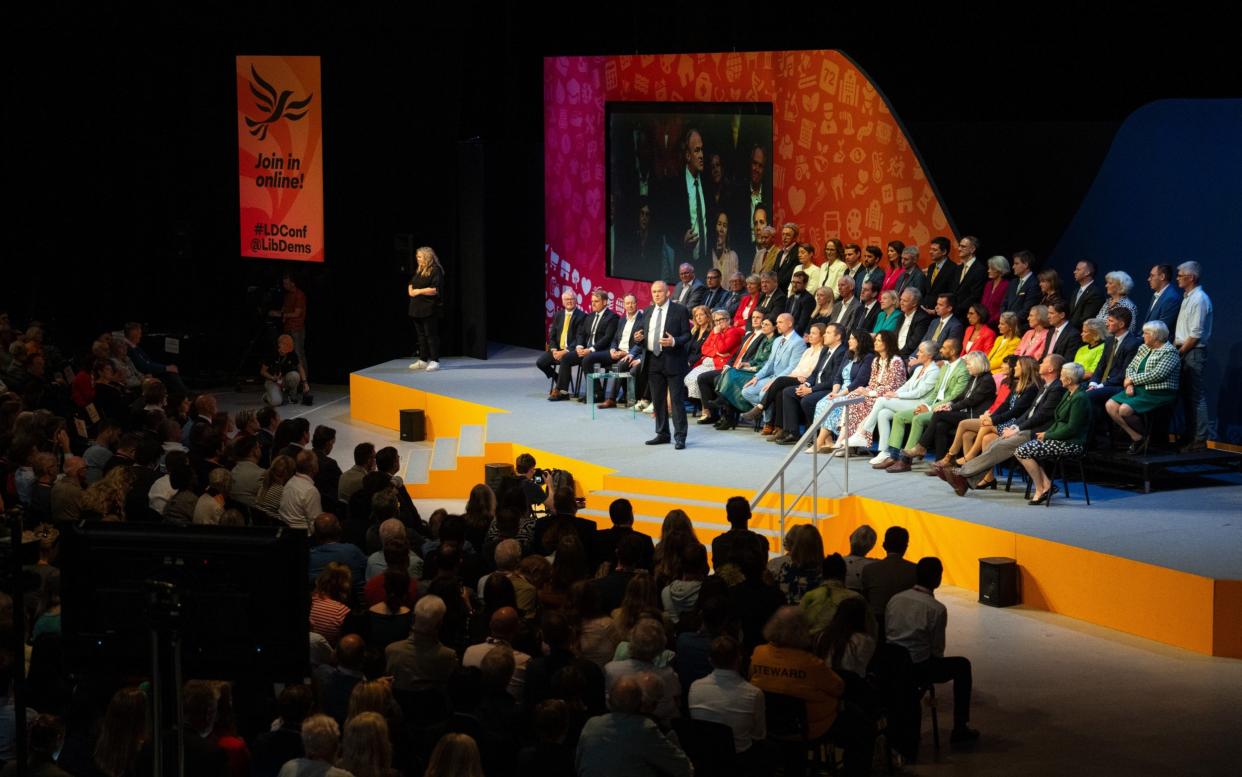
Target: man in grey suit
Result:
[[690, 291], [1038, 418], [845, 309], [888, 576]]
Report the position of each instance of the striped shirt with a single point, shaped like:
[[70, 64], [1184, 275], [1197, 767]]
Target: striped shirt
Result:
[[326, 617]]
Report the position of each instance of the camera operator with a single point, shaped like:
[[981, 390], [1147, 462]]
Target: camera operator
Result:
[[533, 484]]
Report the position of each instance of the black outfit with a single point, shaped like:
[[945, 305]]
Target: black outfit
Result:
[[915, 336], [794, 409], [865, 319], [607, 540], [979, 395], [611, 588], [970, 286], [667, 367], [583, 526], [1084, 304], [598, 331], [772, 305], [562, 371], [1067, 344], [728, 545], [940, 282], [1021, 297], [786, 265], [800, 306], [425, 312], [328, 479], [717, 299], [912, 278]]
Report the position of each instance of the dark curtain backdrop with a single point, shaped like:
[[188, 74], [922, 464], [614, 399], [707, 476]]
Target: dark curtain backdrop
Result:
[[122, 153]]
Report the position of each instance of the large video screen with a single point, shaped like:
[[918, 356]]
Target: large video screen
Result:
[[684, 182]]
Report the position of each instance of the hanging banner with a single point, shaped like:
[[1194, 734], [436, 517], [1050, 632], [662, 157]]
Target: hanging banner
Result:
[[280, 157]]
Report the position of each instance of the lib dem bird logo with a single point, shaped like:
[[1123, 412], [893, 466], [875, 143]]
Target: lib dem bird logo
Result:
[[278, 107]]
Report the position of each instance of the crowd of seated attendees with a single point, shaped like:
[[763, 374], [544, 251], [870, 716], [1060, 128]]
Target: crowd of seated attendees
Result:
[[785, 366]]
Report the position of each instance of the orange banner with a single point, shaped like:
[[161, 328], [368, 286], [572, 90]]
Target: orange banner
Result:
[[280, 157]]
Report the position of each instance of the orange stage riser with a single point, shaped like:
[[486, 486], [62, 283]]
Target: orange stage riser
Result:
[[1176, 608]]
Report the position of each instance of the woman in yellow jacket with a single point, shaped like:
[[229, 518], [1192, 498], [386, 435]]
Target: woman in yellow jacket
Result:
[[1007, 338]]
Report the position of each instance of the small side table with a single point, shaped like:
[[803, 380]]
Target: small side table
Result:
[[627, 376]]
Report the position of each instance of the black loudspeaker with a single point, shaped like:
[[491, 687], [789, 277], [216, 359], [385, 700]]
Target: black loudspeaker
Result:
[[413, 426], [998, 582]]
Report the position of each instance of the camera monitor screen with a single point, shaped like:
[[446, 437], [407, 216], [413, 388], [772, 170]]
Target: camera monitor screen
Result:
[[684, 183]]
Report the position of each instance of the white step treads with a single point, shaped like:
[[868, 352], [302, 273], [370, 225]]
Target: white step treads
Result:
[[445, 455], [417, 464], [470, 440]]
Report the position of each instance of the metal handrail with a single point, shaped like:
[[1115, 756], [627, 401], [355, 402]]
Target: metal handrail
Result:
[[779, 476]]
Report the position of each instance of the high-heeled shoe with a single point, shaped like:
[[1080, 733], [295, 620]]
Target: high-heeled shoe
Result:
[[1039, 500], [981, 485]]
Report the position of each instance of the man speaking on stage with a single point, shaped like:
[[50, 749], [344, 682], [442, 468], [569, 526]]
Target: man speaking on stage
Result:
[[665, 339]]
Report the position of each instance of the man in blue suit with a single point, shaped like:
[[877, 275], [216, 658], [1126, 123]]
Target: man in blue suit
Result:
[[1110, 374], [1165, 301], [787, 349], [944, 326], [665, 339]]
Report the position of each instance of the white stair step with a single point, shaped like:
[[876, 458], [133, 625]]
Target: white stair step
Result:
[[445, 455], [470, 442], [417, 460]]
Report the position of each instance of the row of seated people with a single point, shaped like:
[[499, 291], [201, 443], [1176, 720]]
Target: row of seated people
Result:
[[1001, 325]]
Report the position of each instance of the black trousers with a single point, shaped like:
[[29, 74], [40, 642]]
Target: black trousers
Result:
[[955, 669], [771, 399], [427, 337], [707, 386], [672, 385], [595, 361], [938, 435]]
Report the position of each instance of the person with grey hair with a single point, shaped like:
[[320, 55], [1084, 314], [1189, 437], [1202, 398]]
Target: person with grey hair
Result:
[[749, 302], [646, 643], [862, 541], [626, 742], [321, 738], [735, 292], [911, 276], [786, 260], [421, 662], [210, 505], [1094, 332], [771, 296], [689, 290], [996, 287], [889, 317], [394, 541], [1067, 436], [1190, 337], [1117, 287], [1151, 382], [913, 323], [918, 389]]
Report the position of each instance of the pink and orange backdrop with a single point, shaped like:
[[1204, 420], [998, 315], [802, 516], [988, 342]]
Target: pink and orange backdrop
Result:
[[843, 167]]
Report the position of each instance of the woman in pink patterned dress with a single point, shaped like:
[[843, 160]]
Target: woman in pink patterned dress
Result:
[[888, 372]]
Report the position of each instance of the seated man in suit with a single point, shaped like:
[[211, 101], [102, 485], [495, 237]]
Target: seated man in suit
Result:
[[868, 306], [913, 322], [800, 303], [919, 389], [1023, 293], [1036, 419], [798, 402], [596, 333], [951, 384], [787, 348], [689, 291], [562, 342], [608, 540], [624, 353], [771, 298], [883, 579], [944, 326], [1110, 373], [845, 309], [1064, 338], [716, 296]]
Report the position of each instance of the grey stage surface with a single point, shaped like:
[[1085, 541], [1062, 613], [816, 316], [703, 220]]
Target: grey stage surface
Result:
[[1196, 530]]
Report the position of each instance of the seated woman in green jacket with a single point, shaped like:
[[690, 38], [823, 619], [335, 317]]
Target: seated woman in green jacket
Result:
[[1151, 381], [1066, 437]]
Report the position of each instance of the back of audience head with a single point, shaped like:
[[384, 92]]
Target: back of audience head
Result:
[[498, 592], [621, 511], [787, 628], [307, 463], [808, 547], [370, 696], [384, 506], [351, 652], [862, 540], [496, 669], [366, 750], [321, 738], [647, 640], [565, 501], [725, 653], [294, 704], [455, 755], [896, 540], [928, 572], [429, 611], [123, 731], [737, 510], [626, 696], [387, 460], [834, 567]]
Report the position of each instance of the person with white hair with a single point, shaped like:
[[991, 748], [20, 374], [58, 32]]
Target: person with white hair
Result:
[[1151, 382], [1067, 436], [1190, 337], [422, 662], [1118, 284], [321, 738], [627, 742]]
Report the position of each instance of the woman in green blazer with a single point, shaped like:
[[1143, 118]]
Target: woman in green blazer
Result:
[[1067, 436]]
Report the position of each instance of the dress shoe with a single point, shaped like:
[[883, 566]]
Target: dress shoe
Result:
[[707, 419], [558, 397], [679, 445], [725, 424], [963, 736], [885, 463], [607, 404], [1193, 447], [1135, 448], [658, 441], [900, 466], [960, 486], [753, 414], [934, 470], [767, 429], [788, 438], [774, 434]]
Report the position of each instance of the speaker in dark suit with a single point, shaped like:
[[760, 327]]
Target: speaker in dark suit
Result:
[[684, 204], [666, 339], [563, 339]]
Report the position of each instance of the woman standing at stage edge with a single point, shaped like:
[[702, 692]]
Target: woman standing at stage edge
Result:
[[425, 306]]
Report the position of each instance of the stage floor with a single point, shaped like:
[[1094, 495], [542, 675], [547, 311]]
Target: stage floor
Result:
[[1196, 530]]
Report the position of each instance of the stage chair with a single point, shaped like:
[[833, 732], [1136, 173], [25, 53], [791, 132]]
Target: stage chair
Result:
[[1058, 473], [788, 733]]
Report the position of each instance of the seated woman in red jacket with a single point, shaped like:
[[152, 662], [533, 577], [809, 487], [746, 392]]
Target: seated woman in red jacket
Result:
[[979, 336], [718, 350]]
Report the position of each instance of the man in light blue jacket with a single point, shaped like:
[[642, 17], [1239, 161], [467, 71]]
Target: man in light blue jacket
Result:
[[787, 349]]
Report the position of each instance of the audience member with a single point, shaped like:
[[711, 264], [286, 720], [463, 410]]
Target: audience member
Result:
[[626, 742]]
